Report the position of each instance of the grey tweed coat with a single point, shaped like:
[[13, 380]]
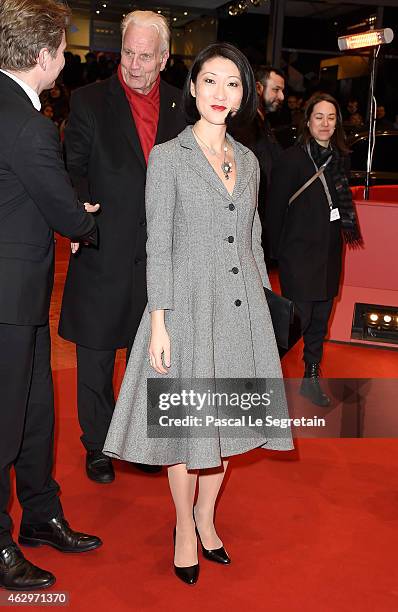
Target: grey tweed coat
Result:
[[206, 269]]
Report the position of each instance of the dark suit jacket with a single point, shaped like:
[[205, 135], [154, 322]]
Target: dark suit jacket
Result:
[[258, 137], [105, 290], [36, 196], [306, 243]]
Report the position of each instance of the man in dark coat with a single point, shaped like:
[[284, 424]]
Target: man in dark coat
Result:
[[257, 135], [36, 196], [112, 127]]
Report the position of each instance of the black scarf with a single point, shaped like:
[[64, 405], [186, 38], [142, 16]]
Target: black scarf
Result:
[[336, 170]]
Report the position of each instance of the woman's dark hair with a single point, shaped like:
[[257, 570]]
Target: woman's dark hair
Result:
[[338, 139], [248, 107]]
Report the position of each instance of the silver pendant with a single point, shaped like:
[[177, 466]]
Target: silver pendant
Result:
[[226, 167]]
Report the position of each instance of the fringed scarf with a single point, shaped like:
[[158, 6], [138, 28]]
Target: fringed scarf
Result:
[[337, 173]]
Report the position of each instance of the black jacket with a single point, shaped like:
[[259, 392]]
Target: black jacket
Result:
[[36, 197], [307, 245], [105, 290], [258, 137]]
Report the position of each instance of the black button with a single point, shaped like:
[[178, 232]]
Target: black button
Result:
[[143, 223], [231, 207], [231, 239], [235, 270], [238, 302], [137, 260]]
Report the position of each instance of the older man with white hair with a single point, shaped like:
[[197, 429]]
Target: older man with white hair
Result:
[[112, 128]]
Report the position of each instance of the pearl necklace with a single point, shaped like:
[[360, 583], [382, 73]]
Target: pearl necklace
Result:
[[226, 166]]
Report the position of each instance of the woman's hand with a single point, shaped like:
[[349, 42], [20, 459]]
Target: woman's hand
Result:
[[159, 344]]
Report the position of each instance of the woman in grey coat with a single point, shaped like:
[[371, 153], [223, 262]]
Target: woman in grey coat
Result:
[[207, 318]]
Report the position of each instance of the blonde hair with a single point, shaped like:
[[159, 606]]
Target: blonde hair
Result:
[[147, 19], [26, 27]]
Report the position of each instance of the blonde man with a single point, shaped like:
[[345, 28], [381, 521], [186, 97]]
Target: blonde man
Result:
[[111, 130], [36, 197]]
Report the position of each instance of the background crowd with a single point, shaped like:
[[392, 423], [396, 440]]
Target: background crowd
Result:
[[100, 66]]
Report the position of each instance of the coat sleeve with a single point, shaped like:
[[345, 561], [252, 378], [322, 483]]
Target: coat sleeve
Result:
[[160, 199], [279, 193], [256, 239], [37, 161], [78, 142]]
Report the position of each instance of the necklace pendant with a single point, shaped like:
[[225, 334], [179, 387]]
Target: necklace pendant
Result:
[[226, 167]]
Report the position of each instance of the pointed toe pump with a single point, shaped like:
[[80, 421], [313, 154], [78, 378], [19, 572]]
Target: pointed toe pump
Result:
[[189, 574]]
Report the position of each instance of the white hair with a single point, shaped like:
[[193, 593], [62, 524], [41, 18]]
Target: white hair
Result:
[[147, 19]]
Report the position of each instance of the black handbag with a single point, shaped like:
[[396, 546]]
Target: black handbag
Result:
[[285, 322]]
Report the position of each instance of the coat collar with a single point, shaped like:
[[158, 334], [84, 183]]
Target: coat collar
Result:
[[169, 113], [198, 162], [169, 106], [9, 83]]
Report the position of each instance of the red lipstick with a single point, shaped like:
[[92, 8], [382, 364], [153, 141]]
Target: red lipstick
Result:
[[218, 108]]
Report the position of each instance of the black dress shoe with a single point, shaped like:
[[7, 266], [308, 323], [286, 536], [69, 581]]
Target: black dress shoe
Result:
[[149, 469], [19, 574], [219, 555], [59, 535], [189, 574], [99, 467]]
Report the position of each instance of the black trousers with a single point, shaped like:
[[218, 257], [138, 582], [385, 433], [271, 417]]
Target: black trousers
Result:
[[314, 317], [95, 396], [26, 425]]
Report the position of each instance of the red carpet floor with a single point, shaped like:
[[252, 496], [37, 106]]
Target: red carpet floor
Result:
[[312, 529]]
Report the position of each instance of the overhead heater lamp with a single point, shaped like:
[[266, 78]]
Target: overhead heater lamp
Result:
[[372, 39]]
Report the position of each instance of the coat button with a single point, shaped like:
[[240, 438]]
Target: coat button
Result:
[[231, 207], [238, 302], [231, 239], [137, 260], [235, 270], [143, 223]]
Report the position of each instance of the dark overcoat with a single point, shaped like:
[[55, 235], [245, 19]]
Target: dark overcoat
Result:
[[105, 290], [307, 245]]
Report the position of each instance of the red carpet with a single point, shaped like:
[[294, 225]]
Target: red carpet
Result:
[[313, 529]]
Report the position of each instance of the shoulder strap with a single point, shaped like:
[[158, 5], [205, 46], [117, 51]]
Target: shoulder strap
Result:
[[309, 182]]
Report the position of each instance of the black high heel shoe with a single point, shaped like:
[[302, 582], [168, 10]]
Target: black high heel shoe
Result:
[[189, 574], [219, 555]]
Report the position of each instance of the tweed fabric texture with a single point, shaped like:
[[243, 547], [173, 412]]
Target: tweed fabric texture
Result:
[[191, 273]]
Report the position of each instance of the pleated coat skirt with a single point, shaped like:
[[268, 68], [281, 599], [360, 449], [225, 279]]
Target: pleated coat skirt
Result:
[[206, 269]]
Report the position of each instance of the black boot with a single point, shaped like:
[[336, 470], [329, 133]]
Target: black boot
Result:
[[311, 388]]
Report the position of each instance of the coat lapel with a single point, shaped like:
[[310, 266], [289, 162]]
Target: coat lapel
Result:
[[196, 159], [169, 108], [123, 116]]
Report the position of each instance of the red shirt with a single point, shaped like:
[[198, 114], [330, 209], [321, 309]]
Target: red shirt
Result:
[[145, 110]]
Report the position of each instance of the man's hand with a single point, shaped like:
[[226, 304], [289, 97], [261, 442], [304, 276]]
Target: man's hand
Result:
[[91, 208]]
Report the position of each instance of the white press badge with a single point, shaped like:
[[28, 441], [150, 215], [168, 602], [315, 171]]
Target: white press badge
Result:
[[334, 214]]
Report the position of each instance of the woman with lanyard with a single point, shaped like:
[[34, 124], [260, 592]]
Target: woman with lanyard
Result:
[[309, 212]]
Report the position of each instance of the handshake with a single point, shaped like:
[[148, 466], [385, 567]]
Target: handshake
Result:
[[89, 208]]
